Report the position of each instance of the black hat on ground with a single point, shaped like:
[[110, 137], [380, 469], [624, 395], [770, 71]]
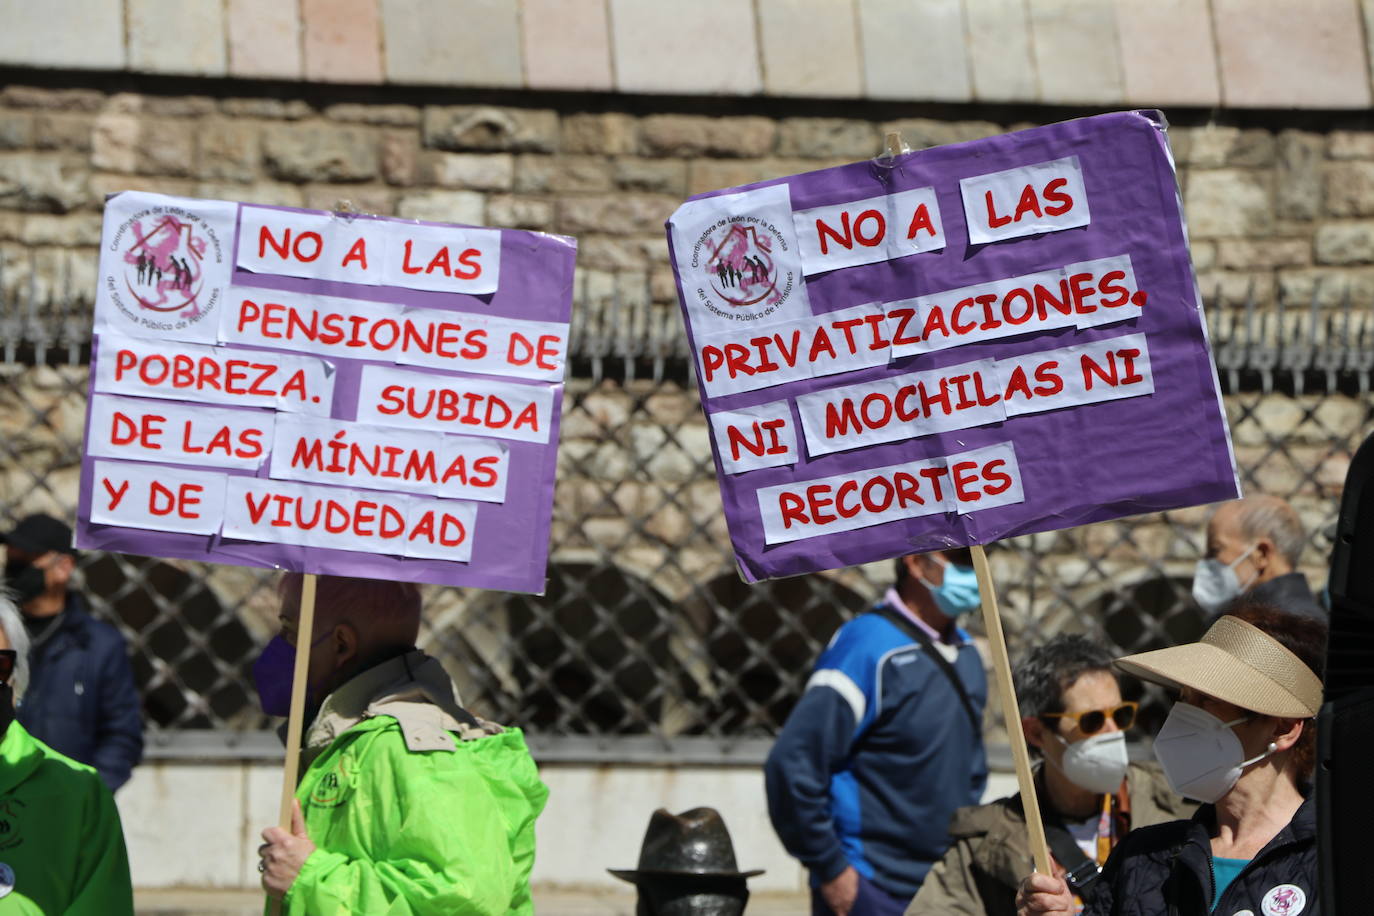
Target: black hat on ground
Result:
[[693, 843], [39, 534]]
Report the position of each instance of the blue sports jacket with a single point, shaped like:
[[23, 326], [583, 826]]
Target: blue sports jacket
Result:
[[876, 756], [81, 699]]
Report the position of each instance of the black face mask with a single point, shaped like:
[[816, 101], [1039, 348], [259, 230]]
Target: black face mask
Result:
[[6, 708], [25, 580]]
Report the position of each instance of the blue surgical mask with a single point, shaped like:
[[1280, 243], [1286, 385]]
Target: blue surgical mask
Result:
[[957, 593]]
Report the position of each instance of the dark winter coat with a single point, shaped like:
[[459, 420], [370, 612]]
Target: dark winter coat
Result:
[[1166, 870], [81, 700]]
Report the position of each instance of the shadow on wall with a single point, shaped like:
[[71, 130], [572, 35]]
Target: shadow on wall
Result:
[[191, 657]]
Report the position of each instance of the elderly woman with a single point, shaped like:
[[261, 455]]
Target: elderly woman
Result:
[[61, 844], [1241, 740]]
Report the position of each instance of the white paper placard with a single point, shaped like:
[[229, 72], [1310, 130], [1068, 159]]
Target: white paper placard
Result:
[[1104, 370], [474, 468], [749, 438], [901, 407], [214, 375], [352, 328], [281, 512], [1045, 197], [449, 259], [343, 453], [322, 246], [165, 263], [737, 261], [831, 344], [986, 477], [453, 259], [868, 231], [452, 404], [178, 433], [154, 498], [1082, 295]]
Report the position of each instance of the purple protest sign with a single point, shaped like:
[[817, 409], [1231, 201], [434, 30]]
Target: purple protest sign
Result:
[[963, 344], [325, 393]]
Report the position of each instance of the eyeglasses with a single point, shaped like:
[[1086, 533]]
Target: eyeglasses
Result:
[[8, 659], [1092, 721]]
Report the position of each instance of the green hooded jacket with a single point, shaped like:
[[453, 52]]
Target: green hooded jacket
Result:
[[414, 805], [61, 843]]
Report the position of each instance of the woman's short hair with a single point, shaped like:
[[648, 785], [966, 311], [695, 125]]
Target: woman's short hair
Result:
[[1048, 670], [1305, 637], [18, 637]]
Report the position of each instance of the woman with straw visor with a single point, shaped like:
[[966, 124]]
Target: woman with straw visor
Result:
[[1241, 740]]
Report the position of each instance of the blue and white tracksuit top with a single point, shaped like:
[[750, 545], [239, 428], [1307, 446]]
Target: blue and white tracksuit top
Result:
[[876, 756]]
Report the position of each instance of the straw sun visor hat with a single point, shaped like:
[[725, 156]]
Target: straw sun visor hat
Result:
[[1237, 662]]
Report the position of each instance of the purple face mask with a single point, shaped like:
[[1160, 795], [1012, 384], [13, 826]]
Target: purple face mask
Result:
[[274, 674]]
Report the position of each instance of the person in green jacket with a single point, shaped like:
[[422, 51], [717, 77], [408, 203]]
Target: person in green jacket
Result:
[[61, 843], [408, 803]]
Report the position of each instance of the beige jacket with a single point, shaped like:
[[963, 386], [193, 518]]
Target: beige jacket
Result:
[[413, 689], [991, 852]]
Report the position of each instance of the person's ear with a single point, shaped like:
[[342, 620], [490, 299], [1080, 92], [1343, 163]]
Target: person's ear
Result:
[[1034, 729], [924, 568], [1263, 555], [1285, 733], [345, 642]]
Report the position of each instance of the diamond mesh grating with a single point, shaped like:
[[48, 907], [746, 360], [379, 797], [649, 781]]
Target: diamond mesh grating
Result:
[[646, 632]]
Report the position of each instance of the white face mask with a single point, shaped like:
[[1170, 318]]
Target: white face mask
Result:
[[1097, 763], [1202, 758], [1215, 583]]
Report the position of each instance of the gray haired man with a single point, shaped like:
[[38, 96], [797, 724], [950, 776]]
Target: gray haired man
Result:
[[1253, 548]]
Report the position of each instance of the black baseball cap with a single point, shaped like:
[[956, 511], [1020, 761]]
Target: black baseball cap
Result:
[[39, 534]]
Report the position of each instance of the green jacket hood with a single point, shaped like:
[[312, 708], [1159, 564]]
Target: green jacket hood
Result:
[[60, 835]]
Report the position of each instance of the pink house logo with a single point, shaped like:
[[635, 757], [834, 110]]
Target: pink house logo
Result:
[[1284, 900], [164, 269], [164, 264], [740, 277]]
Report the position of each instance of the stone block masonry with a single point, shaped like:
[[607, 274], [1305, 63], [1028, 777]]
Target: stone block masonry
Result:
[[1271, 209]]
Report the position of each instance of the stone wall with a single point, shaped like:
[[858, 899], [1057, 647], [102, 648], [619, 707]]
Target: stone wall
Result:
[[1277, 209], [1280, 208]]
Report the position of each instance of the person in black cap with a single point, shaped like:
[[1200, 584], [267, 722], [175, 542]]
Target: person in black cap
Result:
[[687, 867], [81, 700]]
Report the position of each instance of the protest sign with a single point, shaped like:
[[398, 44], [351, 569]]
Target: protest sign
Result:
[[325, 393], [962, 344]]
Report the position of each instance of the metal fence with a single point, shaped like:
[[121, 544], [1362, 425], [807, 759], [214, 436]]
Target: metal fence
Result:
[[646, 645]]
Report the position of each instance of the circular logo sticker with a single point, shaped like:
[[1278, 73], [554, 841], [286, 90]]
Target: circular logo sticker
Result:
[[1284, 900], [737, 268], [157, 274], [6, 880]]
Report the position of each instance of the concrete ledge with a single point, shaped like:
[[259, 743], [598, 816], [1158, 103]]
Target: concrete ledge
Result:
[[1237, 53], [196, 824]]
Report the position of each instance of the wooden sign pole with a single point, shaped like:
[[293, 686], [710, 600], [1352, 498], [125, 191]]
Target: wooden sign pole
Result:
[[305, 637], [1011, 711]]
